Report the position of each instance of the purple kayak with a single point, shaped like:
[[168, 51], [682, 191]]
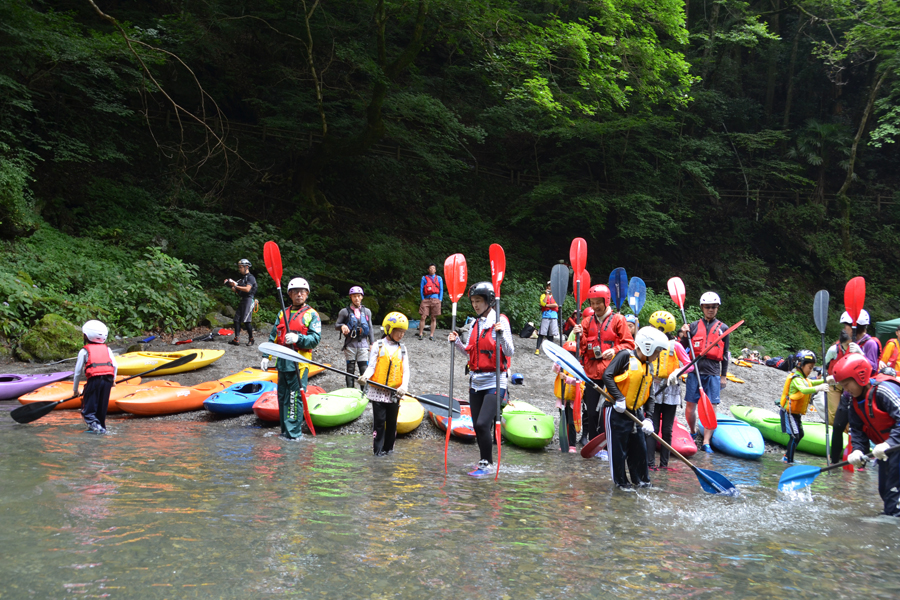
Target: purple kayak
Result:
[[12, 385]]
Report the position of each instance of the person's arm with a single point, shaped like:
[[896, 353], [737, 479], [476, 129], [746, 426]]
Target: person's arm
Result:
[[313, 332], [368, 314], [79, 368], [505, 340], [616, 366], [858, 439], [626, 342], [373, 358], [115, 365], [440, 281], [681, 353], [870, 351], [799, 385], [422, 288], [887, 398], [725, 350], [273, 335], [407, 372]]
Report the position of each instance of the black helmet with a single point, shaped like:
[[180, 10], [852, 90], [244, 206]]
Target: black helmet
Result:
[[805, 357], [244, 263], [483, 289]]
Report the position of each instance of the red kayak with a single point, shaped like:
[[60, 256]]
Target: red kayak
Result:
[[463, 428], [682, 440], [266, 407]]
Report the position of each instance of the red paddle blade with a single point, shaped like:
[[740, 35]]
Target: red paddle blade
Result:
[[582, 285], [846, 454], [855, 297], [272, 256], [707, 412], [578, 255], [676, 291], [455, 275], [498, 267]]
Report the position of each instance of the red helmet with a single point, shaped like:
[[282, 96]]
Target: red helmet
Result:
[[599, 291], [588, 312], [853, 366], [570, 346]]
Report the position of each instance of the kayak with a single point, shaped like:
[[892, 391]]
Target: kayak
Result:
[[61, 390], [463, 428], [336, 408], [731, 377], [681, 440], [156, 401], [769, 424], [736, 438], [133, 363], [252, 374], [526, 426], [410, 415], [266, 407], [13, 385], [238, 399]]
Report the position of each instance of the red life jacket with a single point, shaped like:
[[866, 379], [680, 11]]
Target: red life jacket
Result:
[[840, 354], [481, 348], [295, 324], [98, 362], [601, 335], [701, 340], [431, 286], [895, 353], [877, 424], [868, 337]]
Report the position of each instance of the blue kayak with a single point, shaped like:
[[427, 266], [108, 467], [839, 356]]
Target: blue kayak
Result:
[[736, 438], [238, 399]]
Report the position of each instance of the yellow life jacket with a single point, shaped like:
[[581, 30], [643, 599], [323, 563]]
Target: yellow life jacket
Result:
[[570, 389], [666, 364], [799, 402], [634, 383], [389, 367]]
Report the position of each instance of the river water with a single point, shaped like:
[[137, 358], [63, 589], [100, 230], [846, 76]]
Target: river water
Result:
[[168, 509]]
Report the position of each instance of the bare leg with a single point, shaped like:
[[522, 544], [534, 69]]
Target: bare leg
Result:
[[433, 325], [691, 416]]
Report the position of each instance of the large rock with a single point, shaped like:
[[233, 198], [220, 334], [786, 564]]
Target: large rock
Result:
[[52, 338]]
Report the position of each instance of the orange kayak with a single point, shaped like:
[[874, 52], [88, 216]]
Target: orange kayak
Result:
[[152, 402], [63, 389]]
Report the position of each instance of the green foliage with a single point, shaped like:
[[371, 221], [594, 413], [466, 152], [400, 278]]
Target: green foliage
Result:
[[17, 215]]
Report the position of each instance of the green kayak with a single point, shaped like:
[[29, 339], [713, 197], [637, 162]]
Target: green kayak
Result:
[[337, 407], [769, 424], [526, 426]]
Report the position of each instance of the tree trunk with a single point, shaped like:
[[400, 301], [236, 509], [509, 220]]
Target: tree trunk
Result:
[[711, 41], [789, 97], [773, 62]]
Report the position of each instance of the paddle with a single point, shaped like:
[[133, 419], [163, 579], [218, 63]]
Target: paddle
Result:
[[715, 341], [498, 272], [704, 407], [854, 299], [272, 257], [618, 287], [455, 276], [578, 260], [559, 283], [583, 284], [439, 405], [710, 481], [287, 354], [820, 316], [36, 410], [209, 336], [594, 446], [637, 295], [801, 476]]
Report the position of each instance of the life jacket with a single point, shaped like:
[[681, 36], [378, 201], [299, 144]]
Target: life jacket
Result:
[[359, 327], [481, 349], [570, 389], [431, 286], [798, 402], [389, 367], [895, 353], [877, 424], [868, 337], [840, 354], [701, 340], [296, 325], [635, 383], [548, 299], [666, 364], [599, 335], [98, 362]]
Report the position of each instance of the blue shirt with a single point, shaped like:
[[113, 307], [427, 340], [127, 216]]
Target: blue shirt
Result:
[[440, 283]]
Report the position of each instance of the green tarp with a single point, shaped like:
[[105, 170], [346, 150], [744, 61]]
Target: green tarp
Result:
[[885, 329]]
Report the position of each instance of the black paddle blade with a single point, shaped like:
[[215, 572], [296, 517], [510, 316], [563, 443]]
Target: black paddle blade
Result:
[[438, 404], [35, 410], [820, 310]]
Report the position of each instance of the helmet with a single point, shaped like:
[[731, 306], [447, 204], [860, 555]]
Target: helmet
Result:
[[548, 284], [95, 331], [356, 290], [631, 318], [244, 263], [569, 346], [650, 339], [394, 320], [805, 357], [599, 291], [863, 318], [710, 298], [846, 318], [298, 283], [853, 366], [588, 312], [663, 320], [483, 289]]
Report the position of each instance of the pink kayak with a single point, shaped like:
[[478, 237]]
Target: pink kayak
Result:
[[682, 440], [13, 385], [266, 408]]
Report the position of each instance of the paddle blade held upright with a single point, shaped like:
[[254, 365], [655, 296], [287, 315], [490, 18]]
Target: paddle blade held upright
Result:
[[676, 291], [855, 297], [272, 257], [455, 275]]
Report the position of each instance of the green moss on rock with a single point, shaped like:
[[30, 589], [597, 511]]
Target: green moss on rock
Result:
[[52, 338]]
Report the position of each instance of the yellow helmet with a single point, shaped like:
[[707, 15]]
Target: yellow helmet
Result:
[[663, 320], [394, 320]]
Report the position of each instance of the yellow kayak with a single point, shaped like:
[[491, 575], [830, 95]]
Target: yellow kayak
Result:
[[256, 374], [731, 377], [410, 415], [133, 363]]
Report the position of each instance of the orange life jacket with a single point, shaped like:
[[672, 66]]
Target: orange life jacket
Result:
[[98, 362]]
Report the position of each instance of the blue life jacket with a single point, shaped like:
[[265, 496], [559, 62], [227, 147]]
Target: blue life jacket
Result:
[[359, 327]]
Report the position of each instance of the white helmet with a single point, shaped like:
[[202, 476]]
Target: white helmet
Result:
[[846, 318], [863, 318], [95, 331], [298, 283], [650, 339], [710, 298]]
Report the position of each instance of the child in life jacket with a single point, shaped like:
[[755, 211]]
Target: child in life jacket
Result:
[[388, 365], [99, 365], [660, 408], [567, 390], [795, 396]]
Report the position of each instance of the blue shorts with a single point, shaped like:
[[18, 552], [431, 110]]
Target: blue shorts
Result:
[[712, 385]]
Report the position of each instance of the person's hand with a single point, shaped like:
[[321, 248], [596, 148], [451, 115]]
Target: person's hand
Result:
[[361, 380], [608, 354], [880, 451], [264, 363], [672, 379], [685, 330], [857, 459], [114, 383], [291, 338], [647, 426], [452, 336], [619, 406], [345, 330], [75, 391], [830, 380], [854, 347], [501, 328], [577, 330], [822, 387], [402, 390], [881, 365], [556, 368], [723, 381]]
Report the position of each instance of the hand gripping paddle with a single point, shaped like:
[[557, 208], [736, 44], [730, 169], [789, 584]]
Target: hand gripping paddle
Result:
[[272, 257], [801, 476], [455, 276], [498, 272], [820, 316], [559, 283]]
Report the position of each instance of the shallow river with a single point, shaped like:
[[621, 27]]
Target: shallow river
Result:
[[164, 509]]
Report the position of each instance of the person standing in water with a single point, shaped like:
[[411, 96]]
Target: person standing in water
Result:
[[661, 409], [99, 365], [795, 397]]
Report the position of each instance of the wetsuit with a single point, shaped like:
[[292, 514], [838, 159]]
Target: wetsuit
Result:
[[244, 313], [795, 397], [886, 399], [625, 439], [291, 388], [358, 341]]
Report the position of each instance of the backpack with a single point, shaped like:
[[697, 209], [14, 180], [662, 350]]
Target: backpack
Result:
[[527, 331]]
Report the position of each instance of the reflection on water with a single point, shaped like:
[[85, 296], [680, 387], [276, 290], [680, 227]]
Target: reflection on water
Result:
[[193, 510]]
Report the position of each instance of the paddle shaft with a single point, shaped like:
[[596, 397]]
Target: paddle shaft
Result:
[[452, 373], [844, 463], [284, 314], [559, 277], [701, 355]]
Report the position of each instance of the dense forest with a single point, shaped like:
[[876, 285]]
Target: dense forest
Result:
[[748, 147]]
